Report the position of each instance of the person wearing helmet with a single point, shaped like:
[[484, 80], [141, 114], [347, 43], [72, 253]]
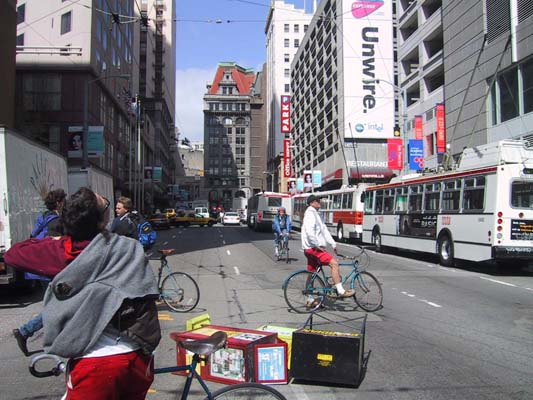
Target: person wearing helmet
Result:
[[281, 225]]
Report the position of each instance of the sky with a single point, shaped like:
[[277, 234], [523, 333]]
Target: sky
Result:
[[201, 45]]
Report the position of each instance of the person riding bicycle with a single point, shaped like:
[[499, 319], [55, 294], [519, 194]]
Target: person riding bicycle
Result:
[[315, 236], [281, 225]]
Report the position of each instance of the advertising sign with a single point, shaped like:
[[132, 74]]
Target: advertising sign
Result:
[[308, 179], [419, 134], [416, 154], [95, 141], [75, 142], [317, 178], [521, 229], [368, 69], [441, 129], [148, 174], [395, 153], [300, 184], [158, 173], [291, 185], [287, 169], [285, 114]]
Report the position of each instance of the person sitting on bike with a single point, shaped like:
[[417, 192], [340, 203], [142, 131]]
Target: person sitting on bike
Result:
[[99, 310], [315, 236], [281, 225]]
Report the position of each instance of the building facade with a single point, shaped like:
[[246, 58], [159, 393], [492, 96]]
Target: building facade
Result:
[[284, 29], [8, 33], [227, 136]]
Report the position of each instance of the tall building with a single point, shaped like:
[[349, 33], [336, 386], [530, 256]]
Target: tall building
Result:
[[8, 33], [67, 51], [285, 28], [343, 94], [488, 70], [228, 135], [157, 66]]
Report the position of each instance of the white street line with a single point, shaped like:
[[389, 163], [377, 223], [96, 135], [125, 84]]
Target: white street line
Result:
[[228, 252], [237, 272], [431, 303], [500, 282], [528, 288]]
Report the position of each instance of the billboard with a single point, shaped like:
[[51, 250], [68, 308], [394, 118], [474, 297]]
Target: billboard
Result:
[[419, 133], [285, 115], [395, 153], [416, 154], [287, 170], [441, 129], [367, 48]]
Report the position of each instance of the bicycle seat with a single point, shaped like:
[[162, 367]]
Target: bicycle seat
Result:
[[166, 252], [205, 347]]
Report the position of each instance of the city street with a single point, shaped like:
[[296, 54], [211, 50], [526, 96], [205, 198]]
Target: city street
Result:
[[443, 333]]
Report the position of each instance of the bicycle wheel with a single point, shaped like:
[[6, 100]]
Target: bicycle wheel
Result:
[[368, 292], [180, 292], [304, 292], [247, 391]]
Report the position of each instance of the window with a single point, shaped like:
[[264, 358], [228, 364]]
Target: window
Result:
[[401, 200], [347, 200], [66, 22], [296, 42], [473, 193], [497, 18], [432, 198], [522, 194], [379, 202], [20, 40], [286, 73], [527, 79], [286, 42], [42, 92], [286, 28], [287, 88], [388, 201], [415, 198], [240, 131], [508, 85], [21, 13], [305, 28], [296, 28], [450, 196], [286, 58]]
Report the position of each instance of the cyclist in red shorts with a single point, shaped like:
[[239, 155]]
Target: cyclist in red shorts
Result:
[[315, 236]]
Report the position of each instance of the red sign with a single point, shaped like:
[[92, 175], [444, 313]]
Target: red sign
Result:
[[418, 127], [286, 114], [441, 129], [395, 153], [287, 170]]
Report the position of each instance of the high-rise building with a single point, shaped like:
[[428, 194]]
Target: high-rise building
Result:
[[228, 108], [285, 28], [8, 33]]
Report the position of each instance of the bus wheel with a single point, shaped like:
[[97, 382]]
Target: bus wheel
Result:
[[445, 248], [376, 239], [340, 234]]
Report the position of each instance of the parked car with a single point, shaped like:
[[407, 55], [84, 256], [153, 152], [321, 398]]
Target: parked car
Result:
[[170, 213], [231, 218], [194, 219], [159, 221]]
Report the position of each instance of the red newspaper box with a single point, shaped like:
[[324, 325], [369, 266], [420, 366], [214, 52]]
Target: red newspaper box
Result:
[[234, 364]]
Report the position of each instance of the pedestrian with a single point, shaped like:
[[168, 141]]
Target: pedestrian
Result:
[[315, 236], [47, 224], [124, 223], [99, 310]]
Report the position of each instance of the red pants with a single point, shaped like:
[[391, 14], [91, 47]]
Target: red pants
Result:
[[316, 258], [118, 377]]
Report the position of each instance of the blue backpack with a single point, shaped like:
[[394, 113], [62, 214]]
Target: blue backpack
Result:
[[145, 232], [40, 230]]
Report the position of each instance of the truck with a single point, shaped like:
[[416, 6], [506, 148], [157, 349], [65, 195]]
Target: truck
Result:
[[28, 171], [93, 178]]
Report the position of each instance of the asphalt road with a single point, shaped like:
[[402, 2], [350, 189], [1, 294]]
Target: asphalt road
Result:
[[443, 333]]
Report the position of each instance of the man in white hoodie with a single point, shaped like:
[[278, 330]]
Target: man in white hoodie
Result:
[[315, 236]]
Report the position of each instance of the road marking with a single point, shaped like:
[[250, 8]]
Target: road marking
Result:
[[223, 242], [500, 282], [228, 252], [237, 272], [152, 391], [164, 317], [430, 303]]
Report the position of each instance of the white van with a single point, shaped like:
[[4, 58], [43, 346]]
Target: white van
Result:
[[203, 211]]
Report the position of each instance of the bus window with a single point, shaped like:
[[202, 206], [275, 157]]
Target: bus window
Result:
[[473, 194], [274, 201], [415, 198], [522, 194], [388, 201], [337, 201], [451, 195], [369, 197], [432, 198], [347, 201], [401, 200], [379, 202]]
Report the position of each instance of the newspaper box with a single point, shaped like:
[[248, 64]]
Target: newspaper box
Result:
[[230, 365]]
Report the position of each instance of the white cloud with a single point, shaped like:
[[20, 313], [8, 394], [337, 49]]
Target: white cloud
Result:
[[190, 90]]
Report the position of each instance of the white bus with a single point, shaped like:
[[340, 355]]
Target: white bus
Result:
[[483, 210], [341, 210], [263, 207]]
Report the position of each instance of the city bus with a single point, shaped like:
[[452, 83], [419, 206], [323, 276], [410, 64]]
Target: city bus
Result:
[[482, 210], [263, 207], [341, 210]]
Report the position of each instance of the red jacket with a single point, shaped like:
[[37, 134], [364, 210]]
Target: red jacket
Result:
[[46, 256]]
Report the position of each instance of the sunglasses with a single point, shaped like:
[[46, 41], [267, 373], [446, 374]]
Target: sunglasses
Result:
[[107, 204]]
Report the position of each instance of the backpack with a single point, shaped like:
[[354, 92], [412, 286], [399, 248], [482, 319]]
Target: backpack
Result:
[[145, 232], [40, 230]]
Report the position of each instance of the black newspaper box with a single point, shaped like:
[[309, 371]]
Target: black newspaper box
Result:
[[325, 356]]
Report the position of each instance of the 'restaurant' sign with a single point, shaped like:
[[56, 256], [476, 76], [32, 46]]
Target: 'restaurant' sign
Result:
[[286, 114]]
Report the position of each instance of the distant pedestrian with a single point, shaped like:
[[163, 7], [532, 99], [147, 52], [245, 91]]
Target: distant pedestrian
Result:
[[47, 224]]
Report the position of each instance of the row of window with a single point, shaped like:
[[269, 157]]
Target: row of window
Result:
[[296, 28], [449, 196], [227, 107], [287, 43]]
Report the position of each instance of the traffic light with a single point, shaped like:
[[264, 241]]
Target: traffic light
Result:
[[397, 132]]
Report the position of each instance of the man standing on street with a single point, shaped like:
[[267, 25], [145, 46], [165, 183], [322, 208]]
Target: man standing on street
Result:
[[315, 236]]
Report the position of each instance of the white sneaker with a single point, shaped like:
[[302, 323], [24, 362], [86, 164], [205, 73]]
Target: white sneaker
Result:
[[276, 251]]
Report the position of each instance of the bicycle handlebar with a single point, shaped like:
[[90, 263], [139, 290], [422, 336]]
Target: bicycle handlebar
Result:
[[55, 371]]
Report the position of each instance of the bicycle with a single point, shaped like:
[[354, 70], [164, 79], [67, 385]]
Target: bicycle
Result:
[[201, 350], [178, 290], [283, 247], [306, 291]]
